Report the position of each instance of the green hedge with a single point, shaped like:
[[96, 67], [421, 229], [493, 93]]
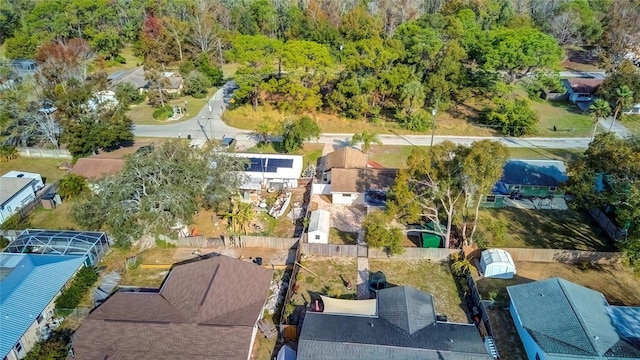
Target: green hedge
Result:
[[71, 296]]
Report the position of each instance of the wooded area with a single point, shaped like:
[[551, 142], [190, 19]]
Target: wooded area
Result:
[[375, 60]]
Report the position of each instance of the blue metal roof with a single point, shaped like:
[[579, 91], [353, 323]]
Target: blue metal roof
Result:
[[534, 172], [28, 284]]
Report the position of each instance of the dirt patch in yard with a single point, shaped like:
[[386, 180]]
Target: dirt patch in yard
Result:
[[327, 276], [344, 218]]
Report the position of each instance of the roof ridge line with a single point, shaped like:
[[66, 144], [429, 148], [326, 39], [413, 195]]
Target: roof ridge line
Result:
[[583, 325]]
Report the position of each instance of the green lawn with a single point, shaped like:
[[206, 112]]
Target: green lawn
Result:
[[434, 278], [55, 219], [395, 156], [142, 113], [632, 123], [567, 118], [49, 169], [545, 229], [131, 61], [543, 154], [337, 236], [391, 156]]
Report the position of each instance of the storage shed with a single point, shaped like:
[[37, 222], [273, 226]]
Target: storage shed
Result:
[[319, 225], [497, 263]]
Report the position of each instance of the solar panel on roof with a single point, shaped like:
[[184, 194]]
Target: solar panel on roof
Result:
[[268, 165], [255, 165], [281, 163]]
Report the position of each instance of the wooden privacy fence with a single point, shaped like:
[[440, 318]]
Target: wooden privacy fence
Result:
[[44, 153], [244, 241], [373, 253], [563, 256], [241, 241], [415, 253], [607, 224], [330, 250]]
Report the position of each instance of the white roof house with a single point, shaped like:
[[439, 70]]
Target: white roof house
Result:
[[271, 171], [497, 263], [17, 189], [319, 224]]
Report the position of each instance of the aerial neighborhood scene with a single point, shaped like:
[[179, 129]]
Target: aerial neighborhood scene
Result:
[[319, 179]]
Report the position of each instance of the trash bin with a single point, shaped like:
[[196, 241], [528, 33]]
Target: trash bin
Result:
[[258, 261], [189, 137], [48, 201]]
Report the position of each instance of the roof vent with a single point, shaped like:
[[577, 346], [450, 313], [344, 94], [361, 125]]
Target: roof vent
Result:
[[20, 175], [450, 340], [595, 337], [371, 324], [541, 295]]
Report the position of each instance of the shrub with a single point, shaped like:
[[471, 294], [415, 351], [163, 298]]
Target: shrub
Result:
[[71, 296], [163, 113], [15, 222], [420, 120], [196, 84], [511, 117], [186, 67], [126, 94], [8, 152]]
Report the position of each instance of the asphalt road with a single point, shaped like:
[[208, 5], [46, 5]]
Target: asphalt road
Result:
[[211, 123]]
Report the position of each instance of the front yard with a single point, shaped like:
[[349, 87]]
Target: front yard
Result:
[[546, 229]]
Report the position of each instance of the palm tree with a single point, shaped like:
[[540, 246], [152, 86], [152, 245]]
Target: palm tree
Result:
[[71, 186], [239, 216], [366, 139], [598, 110], [624, 99]]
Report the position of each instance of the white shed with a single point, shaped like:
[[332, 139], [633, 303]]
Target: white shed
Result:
[[497, 263], [319, 225]]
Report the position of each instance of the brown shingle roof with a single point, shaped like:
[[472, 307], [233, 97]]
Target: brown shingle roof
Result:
[[586, 86], [360, 180], [206, 309], [347, 157], [97, 168]]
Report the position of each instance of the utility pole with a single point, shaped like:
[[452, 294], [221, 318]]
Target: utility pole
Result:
[[434, 112]]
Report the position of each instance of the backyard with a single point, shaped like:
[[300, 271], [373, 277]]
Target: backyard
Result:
[[431, 277], [546, 229], [49, 169], [326, 276], [618, 284]]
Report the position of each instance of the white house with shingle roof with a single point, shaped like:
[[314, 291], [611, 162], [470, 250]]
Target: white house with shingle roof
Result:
[[17, 189]]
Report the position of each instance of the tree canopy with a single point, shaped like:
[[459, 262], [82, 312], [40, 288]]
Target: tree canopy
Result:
[[158, 191], [607, 176]]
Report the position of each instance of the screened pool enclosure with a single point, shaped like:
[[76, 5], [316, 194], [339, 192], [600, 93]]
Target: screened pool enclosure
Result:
[[91, 245]]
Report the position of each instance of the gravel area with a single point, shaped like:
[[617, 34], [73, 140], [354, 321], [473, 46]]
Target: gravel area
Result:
[[344, 218]]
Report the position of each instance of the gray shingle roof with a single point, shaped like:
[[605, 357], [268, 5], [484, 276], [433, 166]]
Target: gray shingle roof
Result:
[[405, 328], [566, 318]]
